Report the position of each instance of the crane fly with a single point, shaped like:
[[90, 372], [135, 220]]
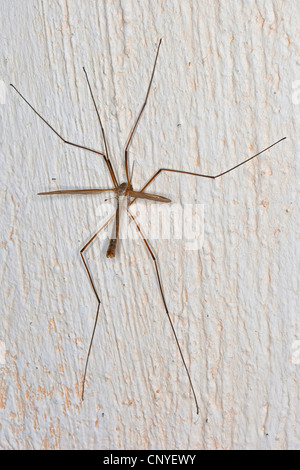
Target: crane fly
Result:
[[126, 189]]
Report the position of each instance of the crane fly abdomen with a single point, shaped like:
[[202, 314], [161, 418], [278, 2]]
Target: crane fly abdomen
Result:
[[125, 190], [111, 250]]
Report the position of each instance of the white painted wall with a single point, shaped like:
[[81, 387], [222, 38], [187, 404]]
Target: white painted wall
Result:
[[226, 86]]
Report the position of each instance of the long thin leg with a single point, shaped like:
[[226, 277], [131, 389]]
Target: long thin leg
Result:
[[58, 135], [108, 162], [206, 176], [139, 116], [165, 305], [98, 300]]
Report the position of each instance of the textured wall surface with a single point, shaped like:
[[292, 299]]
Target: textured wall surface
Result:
[[226, 86]]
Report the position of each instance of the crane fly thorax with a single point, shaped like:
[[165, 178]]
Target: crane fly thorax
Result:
[[121, 190]]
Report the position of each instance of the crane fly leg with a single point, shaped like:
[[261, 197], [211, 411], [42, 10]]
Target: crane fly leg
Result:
[[62, 138], [97, 297], [165, 304], [139, 117], [107, 159], [206, 176]]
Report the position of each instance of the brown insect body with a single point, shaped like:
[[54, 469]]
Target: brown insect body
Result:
[[120, 191], [126, 190]]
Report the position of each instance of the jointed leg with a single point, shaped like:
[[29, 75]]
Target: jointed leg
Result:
[[206, 176], [97, 297], [58, 135], [165, 305], [108, 162], [139, 116]]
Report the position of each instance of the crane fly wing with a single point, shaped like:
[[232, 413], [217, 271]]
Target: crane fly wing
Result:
[[152, 197], [76, 191]]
